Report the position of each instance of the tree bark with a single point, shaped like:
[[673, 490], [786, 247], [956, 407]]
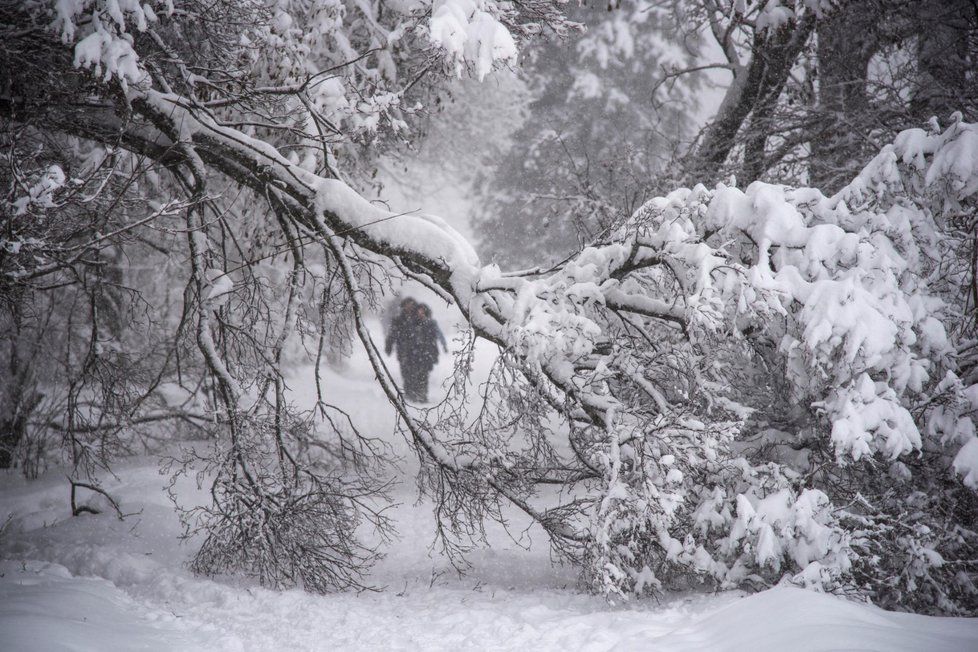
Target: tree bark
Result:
[[846, 43], [946, 30], [759, 82]]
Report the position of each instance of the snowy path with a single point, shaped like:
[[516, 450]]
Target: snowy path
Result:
[[42, 607], [95, 583]]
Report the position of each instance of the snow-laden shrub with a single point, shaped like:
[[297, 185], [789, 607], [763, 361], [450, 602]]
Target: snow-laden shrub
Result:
[[821, 435]]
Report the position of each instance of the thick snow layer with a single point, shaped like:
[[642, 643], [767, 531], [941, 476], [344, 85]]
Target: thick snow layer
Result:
[[966, 463], [468, 34], [796, 619], [97, 583], [44, 607]]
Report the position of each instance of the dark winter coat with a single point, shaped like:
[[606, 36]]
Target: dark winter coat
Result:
[[416, 341], [429, 336], [402, 337]]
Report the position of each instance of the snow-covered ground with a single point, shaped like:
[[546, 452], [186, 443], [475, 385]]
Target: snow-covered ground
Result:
[[97, 583]]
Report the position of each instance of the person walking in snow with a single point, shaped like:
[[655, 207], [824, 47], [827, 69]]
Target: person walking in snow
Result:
[[404, 336], [415, 336], [429, 337]]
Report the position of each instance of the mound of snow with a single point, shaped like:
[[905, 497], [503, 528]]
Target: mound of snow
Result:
[[805, 621], [43, 607]]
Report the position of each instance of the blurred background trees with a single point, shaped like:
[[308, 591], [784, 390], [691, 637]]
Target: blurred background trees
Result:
[[657, 92]]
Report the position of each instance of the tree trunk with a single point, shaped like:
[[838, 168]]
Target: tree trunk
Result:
[[756, 85], [18, 400], [846, 43], [943, 28]]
